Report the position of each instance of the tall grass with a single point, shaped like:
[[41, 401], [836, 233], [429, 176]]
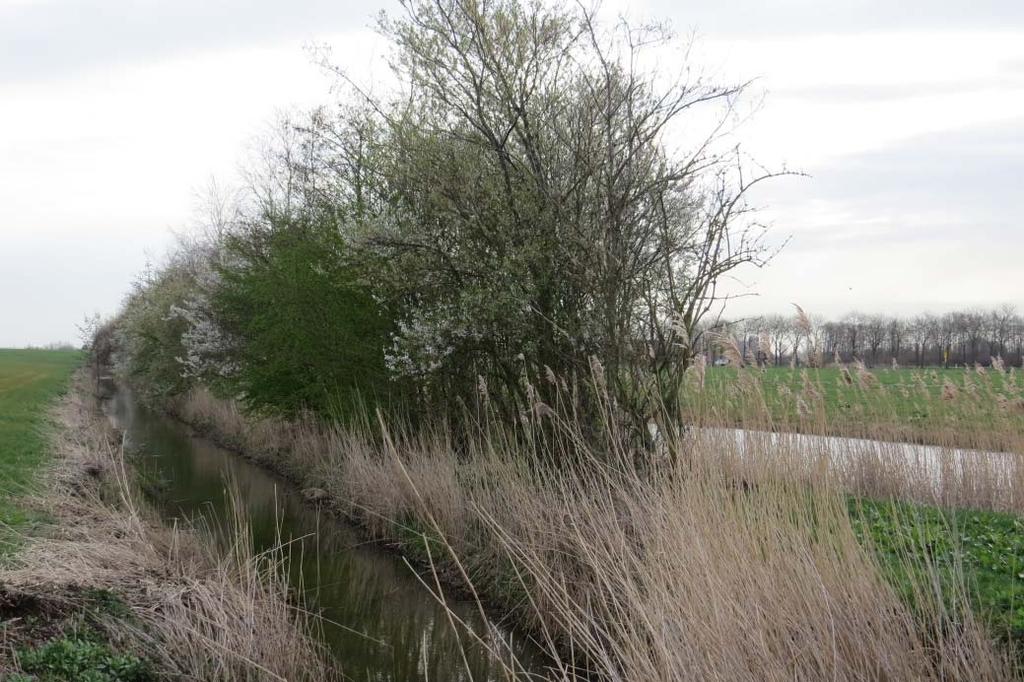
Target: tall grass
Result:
[[195, 610], [714, 554]]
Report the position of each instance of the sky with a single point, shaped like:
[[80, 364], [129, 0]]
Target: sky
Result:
[[906, 117]]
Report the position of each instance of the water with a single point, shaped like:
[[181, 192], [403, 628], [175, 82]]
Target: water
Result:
[[381, 623]]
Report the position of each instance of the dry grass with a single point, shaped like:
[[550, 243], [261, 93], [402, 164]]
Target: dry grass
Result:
[[691, 579], [720, 557], [195, 612]]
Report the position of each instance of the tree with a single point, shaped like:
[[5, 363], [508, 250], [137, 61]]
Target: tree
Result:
[[896, 331], [1002, 322], [973, 329], [537, 215], [778, 331], [874, 328], [308, 333], [151, 331]]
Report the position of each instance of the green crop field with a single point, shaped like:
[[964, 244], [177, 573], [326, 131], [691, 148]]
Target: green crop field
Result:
[[29, 382], [891, 382], [945, 406]]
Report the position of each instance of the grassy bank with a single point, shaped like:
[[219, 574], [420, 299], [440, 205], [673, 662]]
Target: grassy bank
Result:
[[29, 381], [710, 561], [103, 591]]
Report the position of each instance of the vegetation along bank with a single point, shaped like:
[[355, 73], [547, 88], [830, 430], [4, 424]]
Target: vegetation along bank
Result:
[[92, 585], [478, 318]]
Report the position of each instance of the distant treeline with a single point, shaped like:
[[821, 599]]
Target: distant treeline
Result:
[[55, 345], [958, 338]]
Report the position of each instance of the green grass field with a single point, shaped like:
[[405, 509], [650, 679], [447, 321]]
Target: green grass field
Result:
[[29, 382], [837, 392], [944, 406]]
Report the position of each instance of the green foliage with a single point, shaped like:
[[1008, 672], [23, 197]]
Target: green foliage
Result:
[[107, 602], [310, 336], [81, 659], [29, 381], [987, 548]]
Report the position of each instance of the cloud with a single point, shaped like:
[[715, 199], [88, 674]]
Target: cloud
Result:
[[907, 114], [787, 17], [930, 223], [887, 92], [53, 39], [940, 182]]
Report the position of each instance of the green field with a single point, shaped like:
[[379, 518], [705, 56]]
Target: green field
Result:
[[945, 406], [893, 380], [29, 382]]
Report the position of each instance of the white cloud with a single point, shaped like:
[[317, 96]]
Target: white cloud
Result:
[[832, 95]]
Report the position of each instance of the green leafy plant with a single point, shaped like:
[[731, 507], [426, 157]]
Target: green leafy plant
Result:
[[79, 658]]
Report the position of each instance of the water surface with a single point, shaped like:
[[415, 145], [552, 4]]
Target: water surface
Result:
[[381, 623]]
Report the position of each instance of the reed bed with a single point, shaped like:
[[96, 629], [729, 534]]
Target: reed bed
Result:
[[710, 554]]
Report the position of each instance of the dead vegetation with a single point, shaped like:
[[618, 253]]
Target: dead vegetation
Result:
[[722, 557], [194, 612]]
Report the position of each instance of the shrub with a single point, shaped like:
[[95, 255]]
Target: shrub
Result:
[[310, 335]]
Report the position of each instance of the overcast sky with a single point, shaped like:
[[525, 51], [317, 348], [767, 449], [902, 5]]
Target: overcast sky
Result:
[[908, 116]]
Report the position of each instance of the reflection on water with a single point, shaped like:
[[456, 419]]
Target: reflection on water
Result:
[[381, 623]]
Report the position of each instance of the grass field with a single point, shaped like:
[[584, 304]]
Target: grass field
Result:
[[958, 407], [29, 381]]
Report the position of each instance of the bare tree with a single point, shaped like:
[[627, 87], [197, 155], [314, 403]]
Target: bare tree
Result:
[[873, 328], [957, 337]]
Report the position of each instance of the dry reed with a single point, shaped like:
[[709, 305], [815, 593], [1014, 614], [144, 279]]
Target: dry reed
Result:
[[725, 555], [194, 611]]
